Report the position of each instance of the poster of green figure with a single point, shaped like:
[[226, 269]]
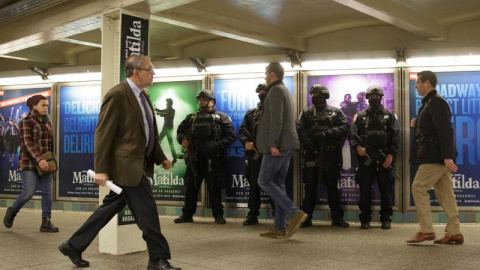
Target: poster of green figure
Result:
[[173, 101]]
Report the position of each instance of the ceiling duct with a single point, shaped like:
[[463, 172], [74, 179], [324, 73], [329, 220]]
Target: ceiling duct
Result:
[[26, 8]]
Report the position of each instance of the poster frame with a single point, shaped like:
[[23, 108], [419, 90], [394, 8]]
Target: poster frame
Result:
[[203, 189], [53, 89], [399, 164], [57, 141], [406, 128], [296, 174]]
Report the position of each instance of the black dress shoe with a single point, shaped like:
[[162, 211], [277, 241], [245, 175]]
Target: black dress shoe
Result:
[[250, 220], [220, 220], [365, 225], [161, 264], [74, 255], [386, 225], [183, 219], [9, 217], [340, 223]]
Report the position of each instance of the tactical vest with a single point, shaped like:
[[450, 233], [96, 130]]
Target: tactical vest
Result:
[[376, 127], [321, 121], [206, 125]]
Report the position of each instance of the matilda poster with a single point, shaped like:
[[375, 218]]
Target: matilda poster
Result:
[[173, 101], [78, 116], [462, 92], [347, 92], [235, 97], [13, 109]]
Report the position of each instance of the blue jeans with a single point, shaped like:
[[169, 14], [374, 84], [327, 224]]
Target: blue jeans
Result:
[[30, 181], [273, 173]]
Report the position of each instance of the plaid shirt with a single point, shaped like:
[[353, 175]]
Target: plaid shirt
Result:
[[37, 138]]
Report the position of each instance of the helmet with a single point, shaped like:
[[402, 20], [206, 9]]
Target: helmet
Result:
[[261, 87], [206, 94], [169, 101], [374, 89], [320, 89]]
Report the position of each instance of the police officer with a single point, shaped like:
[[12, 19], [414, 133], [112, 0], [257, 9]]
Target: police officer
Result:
[[322, 130], [378, 129], [247, 135], [205, 135]]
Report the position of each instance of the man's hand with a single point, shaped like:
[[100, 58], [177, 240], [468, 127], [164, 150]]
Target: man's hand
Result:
[[101, 179], [249, 146], [185, 144], [413, 123], [166, 164], [362, 152], [44, 165], [388, 161], [450, 165], [274, 151]]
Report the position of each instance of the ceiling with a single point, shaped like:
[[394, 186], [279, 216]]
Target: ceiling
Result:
[[66, 33]]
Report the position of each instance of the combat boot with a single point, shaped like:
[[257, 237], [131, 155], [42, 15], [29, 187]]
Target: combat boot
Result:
[[9, 217], [47, 226]]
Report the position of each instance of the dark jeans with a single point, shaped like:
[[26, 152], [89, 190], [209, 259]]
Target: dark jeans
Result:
[[144, 209], [254, 195], [311, 182], [273, 174], [386, 184], [30, 180], [213, 171]]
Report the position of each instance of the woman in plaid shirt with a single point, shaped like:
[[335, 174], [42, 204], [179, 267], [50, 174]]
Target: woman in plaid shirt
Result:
[[36, 138]]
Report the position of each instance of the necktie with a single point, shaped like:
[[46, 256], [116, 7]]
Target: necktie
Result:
[[151, 136]]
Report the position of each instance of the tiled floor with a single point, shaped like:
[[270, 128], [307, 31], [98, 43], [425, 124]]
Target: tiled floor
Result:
[[204, 245]]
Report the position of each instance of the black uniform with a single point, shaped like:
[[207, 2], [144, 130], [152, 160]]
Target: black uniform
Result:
[[378, 129], [209, 134], [322, 133], [254, 159]]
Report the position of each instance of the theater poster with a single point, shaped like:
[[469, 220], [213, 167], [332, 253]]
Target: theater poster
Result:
[[13, 109], [173, 101], [235, 96], [347, 92], [78, 116], [461, 89]]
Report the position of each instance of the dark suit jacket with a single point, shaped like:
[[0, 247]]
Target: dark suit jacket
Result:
[[120, 138]]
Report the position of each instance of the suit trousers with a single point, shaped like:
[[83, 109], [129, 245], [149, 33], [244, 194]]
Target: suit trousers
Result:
[[439, 177], [142, 204]]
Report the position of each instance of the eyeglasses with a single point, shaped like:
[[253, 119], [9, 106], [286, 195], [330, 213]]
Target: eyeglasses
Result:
[[149, 69]]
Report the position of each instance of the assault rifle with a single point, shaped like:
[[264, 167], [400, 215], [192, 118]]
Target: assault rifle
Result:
[[252, 139], [192, 158], [376, 156]]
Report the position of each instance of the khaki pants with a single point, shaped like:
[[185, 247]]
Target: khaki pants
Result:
[[439, 177]]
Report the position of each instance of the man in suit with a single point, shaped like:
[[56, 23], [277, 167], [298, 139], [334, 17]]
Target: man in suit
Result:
[[126, 148], [277, 140]]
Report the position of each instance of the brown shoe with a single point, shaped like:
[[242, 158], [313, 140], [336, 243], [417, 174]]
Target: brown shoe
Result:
[[274, 233], [420, 237], [452, 239], [295, 222]]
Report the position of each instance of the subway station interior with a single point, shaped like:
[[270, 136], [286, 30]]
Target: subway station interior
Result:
[[73, 52]]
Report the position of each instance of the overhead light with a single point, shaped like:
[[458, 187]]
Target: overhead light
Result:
[[40, 71], [294, 58], [198, 63]]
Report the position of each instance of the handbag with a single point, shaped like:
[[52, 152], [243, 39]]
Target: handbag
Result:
[[49, 156]]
